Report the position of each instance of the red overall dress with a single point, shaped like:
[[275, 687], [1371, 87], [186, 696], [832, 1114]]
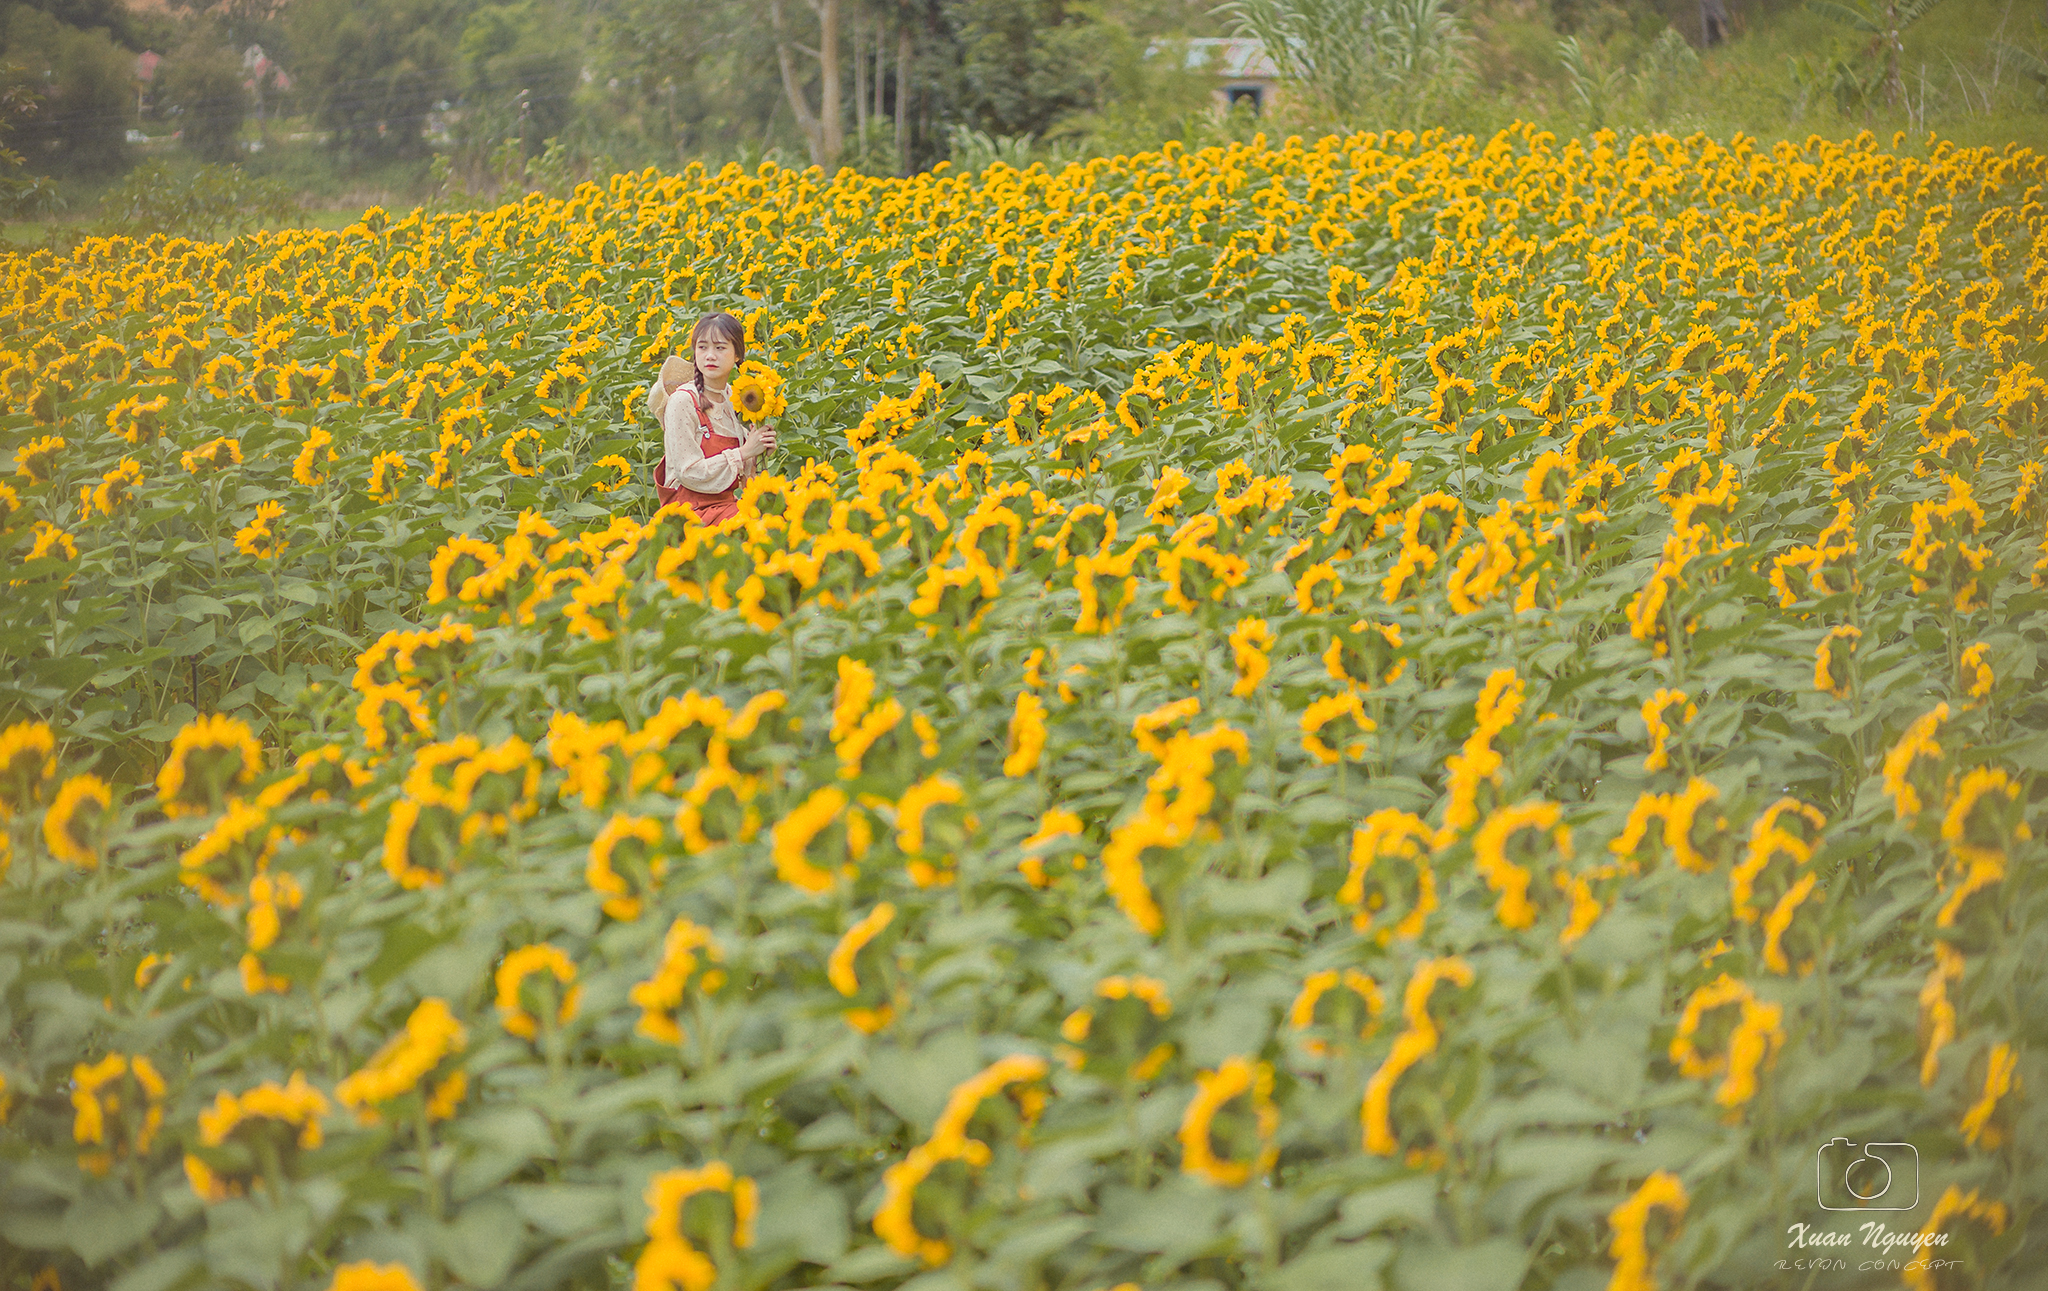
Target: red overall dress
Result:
[[710, 507]]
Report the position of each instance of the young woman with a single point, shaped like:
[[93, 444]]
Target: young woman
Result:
[[707, 452]]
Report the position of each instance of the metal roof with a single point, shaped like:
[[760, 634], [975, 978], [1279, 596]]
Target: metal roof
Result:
[[1231, 57]]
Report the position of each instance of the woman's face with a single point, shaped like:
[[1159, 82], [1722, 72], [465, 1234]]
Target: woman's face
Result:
[[714, 356]]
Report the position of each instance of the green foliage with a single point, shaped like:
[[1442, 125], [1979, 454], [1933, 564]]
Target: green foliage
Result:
[[1149, 96], [82, 80], [704, 88], [1362, 61], [519, 78], [1014, 67], [372, 69], [2030, 63], [1883, 24], [200, 88], [1625, 366], [1593, 87], [111, 16], [1661, 73], [972, 151], [1644, 91], [1834, 74], [873, 151], [22, 196], [205, 204]]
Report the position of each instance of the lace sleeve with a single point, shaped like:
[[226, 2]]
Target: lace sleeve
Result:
[[687, 466]]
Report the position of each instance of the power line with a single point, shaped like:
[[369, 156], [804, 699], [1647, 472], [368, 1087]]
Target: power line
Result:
[[322, 103]]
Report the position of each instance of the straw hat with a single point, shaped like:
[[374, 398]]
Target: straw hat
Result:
[[676, 371]]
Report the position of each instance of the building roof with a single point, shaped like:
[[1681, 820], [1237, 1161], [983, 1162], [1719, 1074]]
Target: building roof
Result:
[[1231, 57]]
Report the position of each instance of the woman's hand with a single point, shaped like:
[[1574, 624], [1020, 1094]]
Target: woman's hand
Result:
[[759, 440]]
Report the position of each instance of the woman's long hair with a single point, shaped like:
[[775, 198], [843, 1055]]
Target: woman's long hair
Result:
[[723, 327]]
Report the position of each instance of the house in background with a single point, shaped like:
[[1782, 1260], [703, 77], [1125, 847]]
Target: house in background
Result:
[[264, 75], [1245, 75], [146, 64]]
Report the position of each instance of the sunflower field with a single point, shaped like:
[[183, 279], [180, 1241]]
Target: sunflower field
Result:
[[1387, 712]]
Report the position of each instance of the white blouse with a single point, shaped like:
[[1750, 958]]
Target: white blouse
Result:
[[682, 436]]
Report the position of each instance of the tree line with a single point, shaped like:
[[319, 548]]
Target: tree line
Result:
[[498, 87]]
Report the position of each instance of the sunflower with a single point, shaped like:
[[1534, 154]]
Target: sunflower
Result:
[[520, 964], [612, 462], [386, 469], [207, 755], [71, 828], [257, 538], [1233, 1077], [28, 757], [524, 461], [213, 455], [116, 488], [136, 419], [35, 458], [52, 542], [306, 466], [757, 392], [1346, 737]]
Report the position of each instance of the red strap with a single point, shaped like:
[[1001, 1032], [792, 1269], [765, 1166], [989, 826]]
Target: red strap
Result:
[[703, 418], [663, 490]]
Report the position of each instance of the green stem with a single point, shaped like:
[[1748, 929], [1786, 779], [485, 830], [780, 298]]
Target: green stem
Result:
[[213, 524], [1948, 632], [1138, 1162], [626, 694], [423, 1138], [963, 655], [277, 654], [270, 1167]]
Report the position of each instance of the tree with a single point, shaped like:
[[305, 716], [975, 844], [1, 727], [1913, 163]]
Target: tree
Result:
[[905, 49], [822, 126], [1351, 57], [123, 26], [373, 69], [1020, 65], [519, 75], [876, 83], [203, 83], [1883, 24], [21, 194], [710, 87], [81, 79]]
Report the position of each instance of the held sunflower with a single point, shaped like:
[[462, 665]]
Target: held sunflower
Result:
[[757, 392]]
